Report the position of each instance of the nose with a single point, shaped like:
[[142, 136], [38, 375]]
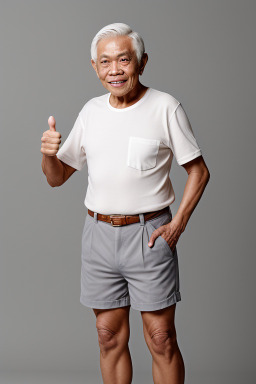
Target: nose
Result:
[[114, 67]]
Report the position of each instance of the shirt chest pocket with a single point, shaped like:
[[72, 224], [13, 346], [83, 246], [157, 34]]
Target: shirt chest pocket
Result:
[[142, 153]]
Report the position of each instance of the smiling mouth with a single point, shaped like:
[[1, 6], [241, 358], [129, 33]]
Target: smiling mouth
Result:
[[117, 82]]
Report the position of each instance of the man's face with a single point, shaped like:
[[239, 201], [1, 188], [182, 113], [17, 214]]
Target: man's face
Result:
[[117, 60]]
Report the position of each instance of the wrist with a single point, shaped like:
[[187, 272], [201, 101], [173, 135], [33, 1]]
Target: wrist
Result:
[[183, 218]]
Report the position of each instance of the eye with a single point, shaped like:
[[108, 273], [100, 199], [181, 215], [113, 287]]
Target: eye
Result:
[[103, 61], [125, 59]]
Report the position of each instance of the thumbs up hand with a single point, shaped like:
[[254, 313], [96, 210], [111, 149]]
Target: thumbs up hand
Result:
[[50, 139]]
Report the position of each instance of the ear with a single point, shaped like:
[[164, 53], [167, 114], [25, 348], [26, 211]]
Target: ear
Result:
[[94, 66], [144, 60]]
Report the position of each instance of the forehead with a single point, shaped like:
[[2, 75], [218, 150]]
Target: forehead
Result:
[[113, 45]]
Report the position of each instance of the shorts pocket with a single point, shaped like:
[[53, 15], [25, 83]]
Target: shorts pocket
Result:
[[158, 222], [87, 238], [142, 153]]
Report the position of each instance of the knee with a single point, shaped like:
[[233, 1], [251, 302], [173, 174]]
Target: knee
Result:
[[164, 342], [107, 339], [111, 340]]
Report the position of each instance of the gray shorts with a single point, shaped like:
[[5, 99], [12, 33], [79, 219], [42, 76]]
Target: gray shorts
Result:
[[118, 268]]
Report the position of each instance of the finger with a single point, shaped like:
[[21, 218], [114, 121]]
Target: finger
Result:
[[50, 146], [154, 236], [48, 152], [50, 139], [52, 123], [49, 133]]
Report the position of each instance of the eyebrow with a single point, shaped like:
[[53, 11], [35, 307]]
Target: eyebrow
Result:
[[120, 54]]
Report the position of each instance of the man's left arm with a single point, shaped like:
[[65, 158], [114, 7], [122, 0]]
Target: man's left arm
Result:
[[198, 178]]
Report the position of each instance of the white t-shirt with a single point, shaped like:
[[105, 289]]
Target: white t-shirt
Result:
[[129, 152]]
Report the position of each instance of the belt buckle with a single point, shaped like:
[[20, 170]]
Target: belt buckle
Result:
[[112, 218]]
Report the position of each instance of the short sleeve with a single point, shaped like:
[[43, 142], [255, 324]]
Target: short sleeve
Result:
[[72, 151], [182, 140]]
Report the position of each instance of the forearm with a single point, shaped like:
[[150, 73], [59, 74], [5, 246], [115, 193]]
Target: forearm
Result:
[[193, 191], [53, 169]]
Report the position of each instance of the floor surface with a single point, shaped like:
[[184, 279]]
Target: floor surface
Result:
[[139, 378]]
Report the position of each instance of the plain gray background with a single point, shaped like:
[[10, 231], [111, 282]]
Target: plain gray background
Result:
[[200, 51]]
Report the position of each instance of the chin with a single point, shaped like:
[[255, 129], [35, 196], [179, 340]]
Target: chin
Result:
[[118, 92]]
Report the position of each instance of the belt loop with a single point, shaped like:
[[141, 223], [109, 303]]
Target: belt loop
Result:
[[95, 217], [142, 219]]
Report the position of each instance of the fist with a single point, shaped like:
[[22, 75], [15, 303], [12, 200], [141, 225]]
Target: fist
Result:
[[50, 139]]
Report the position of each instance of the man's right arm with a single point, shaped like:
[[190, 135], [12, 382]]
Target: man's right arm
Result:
[[56, 172]]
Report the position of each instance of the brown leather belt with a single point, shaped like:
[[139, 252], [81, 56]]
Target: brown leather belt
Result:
[[119, 220]]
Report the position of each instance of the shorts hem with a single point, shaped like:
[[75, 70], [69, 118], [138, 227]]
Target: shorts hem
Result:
[[105, 304], [174, 298]]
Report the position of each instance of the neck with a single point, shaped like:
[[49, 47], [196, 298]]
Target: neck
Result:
[[130, 98]]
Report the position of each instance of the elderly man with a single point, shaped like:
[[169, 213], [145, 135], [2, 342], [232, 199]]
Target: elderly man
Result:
[[128, 138]]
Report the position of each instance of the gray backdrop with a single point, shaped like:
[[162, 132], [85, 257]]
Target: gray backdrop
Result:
[[200, 51]]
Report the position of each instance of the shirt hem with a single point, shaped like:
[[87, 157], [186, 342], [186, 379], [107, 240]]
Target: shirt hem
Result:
[[70, 162], [189, 157], [131, 212]]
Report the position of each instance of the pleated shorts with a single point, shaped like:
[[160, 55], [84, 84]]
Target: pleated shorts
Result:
[[118, 268]]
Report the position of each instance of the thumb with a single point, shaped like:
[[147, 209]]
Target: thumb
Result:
[[152, 239], [52, 122]]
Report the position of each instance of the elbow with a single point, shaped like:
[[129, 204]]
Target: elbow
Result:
[[207, 176], [52, 184]]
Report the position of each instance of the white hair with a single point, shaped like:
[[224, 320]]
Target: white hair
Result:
[[118, 29]]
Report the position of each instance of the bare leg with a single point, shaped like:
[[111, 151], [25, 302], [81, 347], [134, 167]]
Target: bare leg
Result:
[[113, 336], [161, 339]]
